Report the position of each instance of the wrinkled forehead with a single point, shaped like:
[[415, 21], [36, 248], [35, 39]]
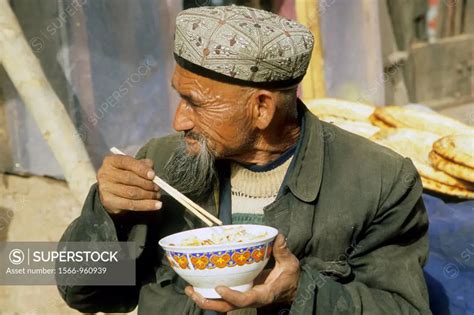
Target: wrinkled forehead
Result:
[[182, 77], [185, 80]]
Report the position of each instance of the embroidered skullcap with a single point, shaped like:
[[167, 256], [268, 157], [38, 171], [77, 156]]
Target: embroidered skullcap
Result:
[[242, 45]]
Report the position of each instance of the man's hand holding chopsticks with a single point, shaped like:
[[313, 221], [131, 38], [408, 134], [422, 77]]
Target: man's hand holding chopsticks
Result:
[[127, 184]]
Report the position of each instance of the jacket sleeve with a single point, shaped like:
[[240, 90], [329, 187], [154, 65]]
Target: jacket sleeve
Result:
[[157, 285], [96, 225], [383, 272]]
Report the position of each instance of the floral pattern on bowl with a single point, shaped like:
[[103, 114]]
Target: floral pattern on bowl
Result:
[[220, 259]]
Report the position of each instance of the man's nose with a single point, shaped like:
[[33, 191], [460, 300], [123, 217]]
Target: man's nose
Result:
[[183, 120]]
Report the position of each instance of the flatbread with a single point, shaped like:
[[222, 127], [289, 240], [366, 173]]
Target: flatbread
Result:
[[401, 117], [340, 108], [416, 145], [441, 177], [378, 122], [412, 143], [457, 148], [445, 189], [360, 128], [450, 167]]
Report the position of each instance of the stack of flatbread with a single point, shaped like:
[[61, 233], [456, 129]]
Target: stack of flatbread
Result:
[[417, 145], [448, 161], [351, 116], [454, 155], [441, 148]]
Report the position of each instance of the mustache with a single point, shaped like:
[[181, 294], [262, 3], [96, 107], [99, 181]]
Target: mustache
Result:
[[194, 136], [203, 141]]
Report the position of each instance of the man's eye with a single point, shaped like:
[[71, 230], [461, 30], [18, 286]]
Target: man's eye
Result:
[[190, 105]]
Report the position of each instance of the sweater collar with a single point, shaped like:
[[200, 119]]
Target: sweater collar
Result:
[[273, 164]]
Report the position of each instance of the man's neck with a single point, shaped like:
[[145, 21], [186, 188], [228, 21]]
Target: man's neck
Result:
[[269, 146]]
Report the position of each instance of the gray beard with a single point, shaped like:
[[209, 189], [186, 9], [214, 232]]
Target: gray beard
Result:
[[192, 174]]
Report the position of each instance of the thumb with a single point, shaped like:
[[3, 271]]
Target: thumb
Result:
[[280, 249], [148, 162]]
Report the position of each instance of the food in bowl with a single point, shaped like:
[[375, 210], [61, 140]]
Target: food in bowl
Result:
[[226, 235], [231, 255]]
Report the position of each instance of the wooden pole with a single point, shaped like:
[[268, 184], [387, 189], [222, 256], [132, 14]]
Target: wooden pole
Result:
[[25, 72], [6, 161], [307, 13]]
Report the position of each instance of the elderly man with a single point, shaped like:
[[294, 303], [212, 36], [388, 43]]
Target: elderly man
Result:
[[353, 226]]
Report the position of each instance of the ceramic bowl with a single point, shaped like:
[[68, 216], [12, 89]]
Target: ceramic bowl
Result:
[[234, 264]]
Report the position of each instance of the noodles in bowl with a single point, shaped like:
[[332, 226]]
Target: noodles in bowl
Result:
[[228, 235]]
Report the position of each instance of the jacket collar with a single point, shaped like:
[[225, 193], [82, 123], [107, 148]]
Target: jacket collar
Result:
[[306, 170]]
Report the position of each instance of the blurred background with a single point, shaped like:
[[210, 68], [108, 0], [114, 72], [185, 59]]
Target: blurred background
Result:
[[89, 49], [109, 63]]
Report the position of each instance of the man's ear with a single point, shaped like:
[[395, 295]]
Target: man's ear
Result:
[[264, 107]]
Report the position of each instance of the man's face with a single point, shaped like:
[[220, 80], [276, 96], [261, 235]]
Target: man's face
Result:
[[217, 111]]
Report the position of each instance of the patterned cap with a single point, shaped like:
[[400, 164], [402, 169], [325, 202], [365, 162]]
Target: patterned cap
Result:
[[242, 45]]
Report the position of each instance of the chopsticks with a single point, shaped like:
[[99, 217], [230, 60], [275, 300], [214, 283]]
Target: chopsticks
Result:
[[194, 208]]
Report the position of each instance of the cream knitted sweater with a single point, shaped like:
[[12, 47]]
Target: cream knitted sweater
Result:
[[251, 192]]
